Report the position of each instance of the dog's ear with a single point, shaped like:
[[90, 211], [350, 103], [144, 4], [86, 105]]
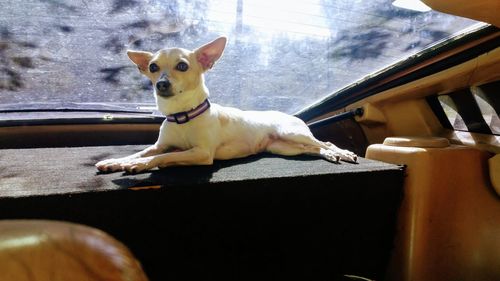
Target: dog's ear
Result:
[[140, 58], [209, 53]]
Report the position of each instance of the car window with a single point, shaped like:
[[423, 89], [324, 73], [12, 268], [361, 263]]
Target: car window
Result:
[[281, 55]]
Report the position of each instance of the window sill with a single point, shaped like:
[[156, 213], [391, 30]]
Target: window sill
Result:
[[9, 119]]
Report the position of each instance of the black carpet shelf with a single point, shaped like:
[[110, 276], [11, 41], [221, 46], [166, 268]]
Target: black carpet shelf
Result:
[[259, 218]]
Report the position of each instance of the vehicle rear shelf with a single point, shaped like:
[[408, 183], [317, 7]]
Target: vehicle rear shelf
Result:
[[258, 218]]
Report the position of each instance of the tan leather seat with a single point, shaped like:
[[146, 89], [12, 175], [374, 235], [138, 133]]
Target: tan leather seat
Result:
[[52, 251]]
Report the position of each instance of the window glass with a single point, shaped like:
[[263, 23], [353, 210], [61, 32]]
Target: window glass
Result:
[[281, 55]]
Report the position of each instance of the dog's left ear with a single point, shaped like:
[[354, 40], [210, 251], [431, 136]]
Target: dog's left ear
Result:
[[209, 53]]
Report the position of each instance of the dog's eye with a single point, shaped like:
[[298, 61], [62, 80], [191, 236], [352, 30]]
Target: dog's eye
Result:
[[182, 66], [153, 67]]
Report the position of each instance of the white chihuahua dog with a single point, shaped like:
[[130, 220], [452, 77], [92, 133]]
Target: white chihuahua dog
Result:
[[195, 131]]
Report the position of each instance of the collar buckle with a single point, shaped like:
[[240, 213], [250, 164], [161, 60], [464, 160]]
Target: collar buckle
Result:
[[181, 117]]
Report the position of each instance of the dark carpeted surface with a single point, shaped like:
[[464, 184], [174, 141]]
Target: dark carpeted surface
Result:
[[28, 172], [260, 218]]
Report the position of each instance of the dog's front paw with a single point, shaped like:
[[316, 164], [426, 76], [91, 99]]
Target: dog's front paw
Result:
[[109, 165], [137, 165]]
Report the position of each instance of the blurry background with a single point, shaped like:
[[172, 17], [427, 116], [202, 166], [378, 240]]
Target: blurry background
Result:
[[281, 55]]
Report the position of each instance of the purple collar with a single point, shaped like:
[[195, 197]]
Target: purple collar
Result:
[[185, 116]]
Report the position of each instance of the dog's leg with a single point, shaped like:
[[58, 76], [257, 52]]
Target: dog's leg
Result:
[[310, 145], [193, 156], [287, 148], [112, 165]]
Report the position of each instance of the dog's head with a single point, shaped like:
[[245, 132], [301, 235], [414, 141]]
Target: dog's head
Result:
[[175, 71]]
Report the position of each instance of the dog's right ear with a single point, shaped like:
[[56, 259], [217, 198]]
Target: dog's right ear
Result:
[[140, 58]]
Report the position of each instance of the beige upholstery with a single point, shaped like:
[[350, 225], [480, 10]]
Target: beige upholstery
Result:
[[427, 142], [494, 165], [449, 221], [59, 251], [481, 10]]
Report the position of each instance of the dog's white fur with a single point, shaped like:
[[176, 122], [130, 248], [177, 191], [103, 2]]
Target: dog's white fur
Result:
[[218, 133]]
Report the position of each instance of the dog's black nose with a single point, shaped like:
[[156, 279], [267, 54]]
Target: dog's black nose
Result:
[[162, 85]]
